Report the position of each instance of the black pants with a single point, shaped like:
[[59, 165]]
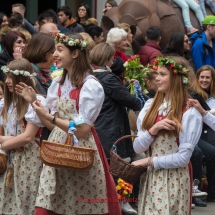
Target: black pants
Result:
[[208, 150]]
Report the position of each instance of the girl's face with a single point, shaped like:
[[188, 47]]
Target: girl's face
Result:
[[9, 82], [205, 79], [1, 93], [163, 80], [122, 45], [129, 36], [63, 56], [186, 43], [99, 39], [82, 12], [19, 43], [108, 6], [4, 22]]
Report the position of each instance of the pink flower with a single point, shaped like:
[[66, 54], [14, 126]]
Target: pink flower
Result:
[[132, 57]]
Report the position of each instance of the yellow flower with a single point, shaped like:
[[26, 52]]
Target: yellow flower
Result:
[[118, 187], [125, 192], [120, 180]]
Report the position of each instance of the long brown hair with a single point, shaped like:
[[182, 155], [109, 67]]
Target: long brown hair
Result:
[[12, 97], [179, 96], [197, 87], [80, 67]]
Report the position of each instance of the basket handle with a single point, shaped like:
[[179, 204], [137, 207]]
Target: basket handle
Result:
[[69, 140], [122, 138], [128, 136]]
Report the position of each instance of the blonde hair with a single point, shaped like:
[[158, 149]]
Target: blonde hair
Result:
[[197, 87], [86, 36], [179, 97], [101, 53], [124, 26]]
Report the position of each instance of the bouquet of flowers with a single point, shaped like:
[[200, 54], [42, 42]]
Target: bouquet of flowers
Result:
[[124, 189], [135, 70]]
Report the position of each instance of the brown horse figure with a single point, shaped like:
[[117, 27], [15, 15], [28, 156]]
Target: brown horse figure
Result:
[[146, 13]]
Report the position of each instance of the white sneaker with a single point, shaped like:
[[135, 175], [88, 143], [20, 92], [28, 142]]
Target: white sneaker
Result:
[[196, 191], [193, 206], [127, 209]]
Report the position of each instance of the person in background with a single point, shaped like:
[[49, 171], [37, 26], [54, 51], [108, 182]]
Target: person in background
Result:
[[151, 49], [113, 116], [126, 27], [151, 83], [13, 47], [50, 16], [36, 25], [84, 16], [39, 52], [96, 33], [3, 32], [108, 5], [87, 37], [118, 39], [27, 35], [16, 20], [179, 45], [20, 8], [67, 21], [49, 28], [3, 20], [2, 85], [203, 45]]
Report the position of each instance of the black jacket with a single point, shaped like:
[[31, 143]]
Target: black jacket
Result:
[[4, 59], [112, 122]]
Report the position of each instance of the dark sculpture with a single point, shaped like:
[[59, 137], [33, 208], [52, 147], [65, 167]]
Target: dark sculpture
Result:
[[146, 13]]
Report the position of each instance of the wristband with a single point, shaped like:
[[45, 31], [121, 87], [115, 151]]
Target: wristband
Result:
[[204, 113]]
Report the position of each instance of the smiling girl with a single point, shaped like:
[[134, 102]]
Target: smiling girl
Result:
[[70, 95], [20, 130], [170, 132]]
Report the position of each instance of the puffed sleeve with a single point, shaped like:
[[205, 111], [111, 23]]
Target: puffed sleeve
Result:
[[31, 115], [188, 138], [144, 139], [209, 119], [52, 95], [91, 100], [1, 108]]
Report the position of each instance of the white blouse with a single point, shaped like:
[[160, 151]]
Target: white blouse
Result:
[[188, 138], [209, 119], [30, 116], [90, 100]]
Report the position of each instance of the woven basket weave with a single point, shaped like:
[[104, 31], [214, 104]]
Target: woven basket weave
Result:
[[3, 162], [67, 156], [122, 169]]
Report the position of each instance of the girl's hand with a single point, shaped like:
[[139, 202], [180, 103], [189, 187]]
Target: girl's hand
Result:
[[141, 162], [40, 109], [167, 124], [195, 103], [17, 53], [26, 92]]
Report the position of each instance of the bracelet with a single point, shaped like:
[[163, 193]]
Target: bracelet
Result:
[[2, 146], [54, 120]]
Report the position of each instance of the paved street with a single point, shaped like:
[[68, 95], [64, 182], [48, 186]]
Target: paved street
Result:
[[209, 210]]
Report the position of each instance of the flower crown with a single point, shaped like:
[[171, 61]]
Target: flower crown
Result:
[[177, 69], [68, 41], [18, 72]]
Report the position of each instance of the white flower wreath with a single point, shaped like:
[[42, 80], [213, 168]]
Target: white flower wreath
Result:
[[5, 69]]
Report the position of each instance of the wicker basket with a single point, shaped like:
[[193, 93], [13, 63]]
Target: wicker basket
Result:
[[67, 156], [122, 169], [3, 162]]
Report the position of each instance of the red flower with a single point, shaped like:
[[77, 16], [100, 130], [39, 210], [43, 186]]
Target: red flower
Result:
[[171, 66], [156, 61]]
